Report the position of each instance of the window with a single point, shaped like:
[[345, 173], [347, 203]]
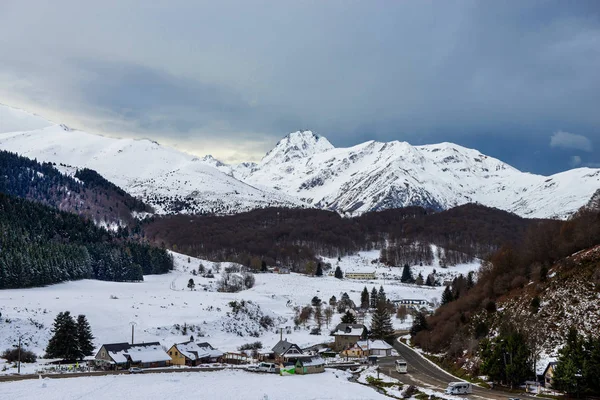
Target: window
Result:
[[170, 353]]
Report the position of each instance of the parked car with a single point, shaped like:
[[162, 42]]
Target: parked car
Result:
[[252, 368], [135, 370], [267, 367]]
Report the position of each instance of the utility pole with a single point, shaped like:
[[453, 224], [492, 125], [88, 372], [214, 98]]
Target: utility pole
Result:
[[133, 324], [19, 358]]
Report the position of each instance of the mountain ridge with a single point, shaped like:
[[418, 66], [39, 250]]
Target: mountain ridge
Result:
[[305, 170]]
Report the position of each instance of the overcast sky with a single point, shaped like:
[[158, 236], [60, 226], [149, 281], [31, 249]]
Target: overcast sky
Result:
[[518, 80]]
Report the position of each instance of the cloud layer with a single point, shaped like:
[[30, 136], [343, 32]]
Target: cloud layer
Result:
[[220, 77], [573, 141]]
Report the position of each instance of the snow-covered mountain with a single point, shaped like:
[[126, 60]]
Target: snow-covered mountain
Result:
[[304, 169], [169, 180], [376, 176]]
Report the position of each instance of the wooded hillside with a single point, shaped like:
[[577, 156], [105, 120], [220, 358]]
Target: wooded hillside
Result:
[[89, 195], [549, 271], [295, 236], [40, 245]]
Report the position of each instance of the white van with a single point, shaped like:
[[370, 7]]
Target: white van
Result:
[[401, 366], [459, 388], [267, 367]]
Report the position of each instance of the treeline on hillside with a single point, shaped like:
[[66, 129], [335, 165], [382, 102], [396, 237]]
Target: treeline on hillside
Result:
[[40, 245], [295, 236], [92, 196], [92, 179], [452, 328], [418, 253]]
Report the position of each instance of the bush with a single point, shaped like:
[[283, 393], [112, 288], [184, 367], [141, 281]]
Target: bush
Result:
[[230, 283], [266, 321], [248, 280], [410, 392], [12, 355], [251, 346], [232, 268]]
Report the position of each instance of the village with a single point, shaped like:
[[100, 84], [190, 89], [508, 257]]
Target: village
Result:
[[299, 337], [350, 348]]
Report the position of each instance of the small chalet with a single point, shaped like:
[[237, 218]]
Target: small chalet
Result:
[[549, 374], [309, 365], [192, 354], [125, 355], [354, 351], [285, 351], [346, 335], [366, 348], [375, 348]]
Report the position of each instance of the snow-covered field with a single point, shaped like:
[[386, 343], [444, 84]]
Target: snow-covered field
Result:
[[162, 304], [202, 385], [368, 261]]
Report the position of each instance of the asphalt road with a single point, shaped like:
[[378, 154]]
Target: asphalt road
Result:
[[423, 373]]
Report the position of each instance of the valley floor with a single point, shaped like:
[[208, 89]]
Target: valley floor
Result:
[[162, 305]]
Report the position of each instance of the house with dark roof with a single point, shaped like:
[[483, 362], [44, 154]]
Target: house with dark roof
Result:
[[125, 355], [549, 374], [192, 354], [346, 335], [285, 351]]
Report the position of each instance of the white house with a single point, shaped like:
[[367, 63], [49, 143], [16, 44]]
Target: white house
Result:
[[375, 348]]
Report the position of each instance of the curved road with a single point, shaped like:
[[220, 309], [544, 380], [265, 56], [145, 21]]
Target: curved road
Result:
[[421, 372]]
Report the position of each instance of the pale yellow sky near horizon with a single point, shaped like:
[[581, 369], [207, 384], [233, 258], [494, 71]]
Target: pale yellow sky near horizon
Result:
[[229, 151]]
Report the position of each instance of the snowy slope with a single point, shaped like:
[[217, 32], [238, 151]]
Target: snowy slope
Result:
[[161, 302], [374, 176], [14, 119], [304, 169]]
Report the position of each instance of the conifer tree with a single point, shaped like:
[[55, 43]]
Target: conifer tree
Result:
[[407, 276], [430, 280], [364, 299], [507, 358], [569, 368], [381, 322], [191, 285], [447, 296], [84, 337], [470, 282], [319, 270], [381, 297], [348, 318], [419, 324], [374, 298], [338, 273], [64, 343]]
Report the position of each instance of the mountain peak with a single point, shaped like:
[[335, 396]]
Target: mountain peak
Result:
[[297, 145], [209, 159]]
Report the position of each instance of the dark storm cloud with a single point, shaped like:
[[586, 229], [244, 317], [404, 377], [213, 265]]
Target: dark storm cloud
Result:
[[503, 76]]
